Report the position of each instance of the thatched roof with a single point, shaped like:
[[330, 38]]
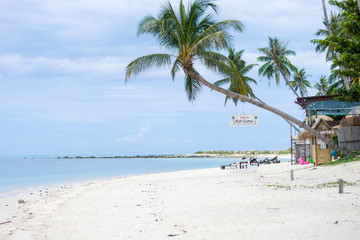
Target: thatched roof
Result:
[[319, 125], [350, 122], [326, 118], [303, 135]]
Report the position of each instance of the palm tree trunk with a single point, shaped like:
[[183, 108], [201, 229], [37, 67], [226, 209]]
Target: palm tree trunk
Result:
[[262, 105], [288, 83], [358, 4], [346, 82], [326, 18], [290, 123]]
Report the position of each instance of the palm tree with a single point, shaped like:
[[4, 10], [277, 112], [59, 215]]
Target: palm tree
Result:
[[335, 27], [192, 35], [335, 20], [239, 83], [346, 82], [299, 82], [322, 86], [235, 69], [276, 62], [327, 23]]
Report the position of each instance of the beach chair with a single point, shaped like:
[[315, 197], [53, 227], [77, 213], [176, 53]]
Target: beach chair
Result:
[[265, 161], [254, 162], [274, 160]]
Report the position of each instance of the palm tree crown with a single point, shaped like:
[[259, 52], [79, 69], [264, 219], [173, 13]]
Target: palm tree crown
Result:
[[276, 61], [336, 29], [299, 82], [191, 34], [322, 86], [239, 83]]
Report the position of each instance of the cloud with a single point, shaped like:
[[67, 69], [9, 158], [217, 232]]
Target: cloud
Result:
[[140, 135], [166, 139], [17, 65]]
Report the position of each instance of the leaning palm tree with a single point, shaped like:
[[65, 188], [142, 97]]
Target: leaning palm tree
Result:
[[237, 81], [276, 62], [299, 82], [192, 34]]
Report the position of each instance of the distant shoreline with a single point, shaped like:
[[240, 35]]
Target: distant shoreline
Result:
[[206, 154]]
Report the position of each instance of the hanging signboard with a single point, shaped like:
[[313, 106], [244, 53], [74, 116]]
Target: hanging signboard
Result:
[[244, 120]]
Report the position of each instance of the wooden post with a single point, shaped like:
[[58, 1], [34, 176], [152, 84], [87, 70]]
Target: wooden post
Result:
[[341, 186], [292, 175]]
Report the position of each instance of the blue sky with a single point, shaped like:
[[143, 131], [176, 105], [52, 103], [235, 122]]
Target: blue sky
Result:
[[62, 85]]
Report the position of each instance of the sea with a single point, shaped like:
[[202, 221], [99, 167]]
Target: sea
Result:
[[19, 173]]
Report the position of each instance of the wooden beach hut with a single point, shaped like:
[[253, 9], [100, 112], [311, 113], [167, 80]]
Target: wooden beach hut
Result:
[[349, 133], [302, 146], [320, 151], [321, 107]]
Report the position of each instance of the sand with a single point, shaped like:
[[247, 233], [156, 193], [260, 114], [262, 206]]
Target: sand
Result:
[[197, 204]]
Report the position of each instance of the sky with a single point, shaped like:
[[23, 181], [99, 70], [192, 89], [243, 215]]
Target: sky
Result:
[[62, 87]]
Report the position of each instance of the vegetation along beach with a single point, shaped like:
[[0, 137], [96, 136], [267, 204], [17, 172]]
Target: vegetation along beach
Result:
[[138, 120]]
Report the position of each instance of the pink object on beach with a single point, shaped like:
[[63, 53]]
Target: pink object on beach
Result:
[[301, 161]]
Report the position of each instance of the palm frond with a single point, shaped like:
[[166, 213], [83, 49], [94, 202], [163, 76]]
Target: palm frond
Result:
[[147, 62], [175, 68], [217, 34], [222, 82], [192, 88], [229, 68]]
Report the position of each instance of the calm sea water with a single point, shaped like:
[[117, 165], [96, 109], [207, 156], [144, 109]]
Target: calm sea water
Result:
[[19, 173]]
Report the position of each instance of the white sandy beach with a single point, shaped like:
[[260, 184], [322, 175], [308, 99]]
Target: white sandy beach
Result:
[[197, 204]]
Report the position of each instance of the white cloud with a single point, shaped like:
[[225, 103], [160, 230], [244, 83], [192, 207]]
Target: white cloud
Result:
[[140, 135], [17, 65], [166, 139]]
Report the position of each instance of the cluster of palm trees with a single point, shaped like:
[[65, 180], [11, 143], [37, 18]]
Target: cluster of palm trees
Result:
[[275, 65], [191, 35], [325, 86], [333, 28]]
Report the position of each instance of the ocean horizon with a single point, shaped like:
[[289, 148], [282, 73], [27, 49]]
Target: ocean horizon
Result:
[[19, 173]]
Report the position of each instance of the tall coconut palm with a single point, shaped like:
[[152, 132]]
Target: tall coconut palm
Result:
[[322, 86], [300, 82], [238, 82], [326, 17], [276, 62], [192, 34], [235, 69], [334, 23], [328, 25]]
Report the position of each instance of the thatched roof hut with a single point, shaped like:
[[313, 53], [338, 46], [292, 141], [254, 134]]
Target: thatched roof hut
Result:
[[324, 117], [319, 125], [350, 122]]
